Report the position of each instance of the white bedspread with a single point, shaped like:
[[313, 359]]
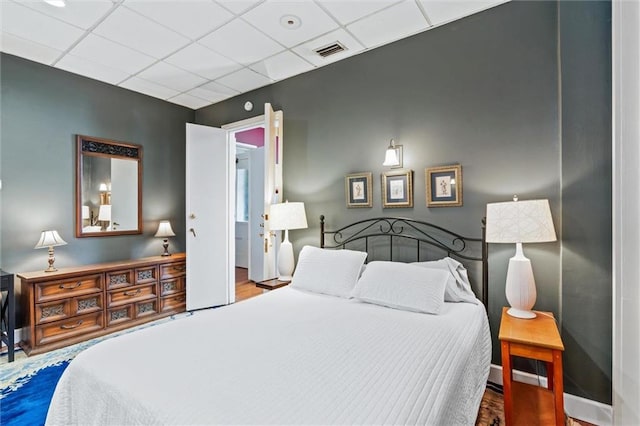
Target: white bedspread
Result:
[[285, 357]]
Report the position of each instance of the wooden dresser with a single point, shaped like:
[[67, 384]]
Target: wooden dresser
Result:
[[77, 304]]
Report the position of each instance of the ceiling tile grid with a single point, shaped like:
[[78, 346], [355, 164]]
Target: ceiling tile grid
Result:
[[197, 52]]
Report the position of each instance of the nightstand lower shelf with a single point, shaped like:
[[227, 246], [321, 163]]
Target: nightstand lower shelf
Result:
[[532, 405]]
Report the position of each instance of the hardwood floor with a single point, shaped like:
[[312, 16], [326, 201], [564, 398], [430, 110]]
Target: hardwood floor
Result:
[[245, 288]]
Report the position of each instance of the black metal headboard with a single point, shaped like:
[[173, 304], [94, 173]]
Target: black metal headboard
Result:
[[403, 233]]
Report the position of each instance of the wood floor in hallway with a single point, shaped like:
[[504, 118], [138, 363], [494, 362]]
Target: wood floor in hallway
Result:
[[245, 288]]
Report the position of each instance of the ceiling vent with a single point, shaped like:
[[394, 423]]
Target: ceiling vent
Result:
[[331, 49]]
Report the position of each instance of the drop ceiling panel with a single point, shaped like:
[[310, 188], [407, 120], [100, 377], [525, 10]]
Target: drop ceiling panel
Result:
[[281, 66], [202, 61], [348, 11], [213, 92], [172, 77], [440, 11], [28, 49], [189, 101], [131, 29], [83, 14], [244, 80], [313, 20], [91, 69], [191, 18], [37, 27], [238, 6], [109, 53], [242, 42], [141, 85], [307, 50], [393, 23]]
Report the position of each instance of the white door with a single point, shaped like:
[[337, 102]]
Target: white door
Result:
[[258, 237], [273, 148], [210, 195]]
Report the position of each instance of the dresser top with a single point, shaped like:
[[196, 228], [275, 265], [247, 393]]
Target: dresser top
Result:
[[99, 267]]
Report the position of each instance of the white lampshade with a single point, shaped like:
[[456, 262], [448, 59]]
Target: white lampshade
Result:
[[391, 156], [520, 222], [103, 187], [164, 229], [50, 239], [104, 213], [86, 214], [285, 216]]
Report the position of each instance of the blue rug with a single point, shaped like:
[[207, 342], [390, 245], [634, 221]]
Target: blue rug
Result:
[[28, 404]]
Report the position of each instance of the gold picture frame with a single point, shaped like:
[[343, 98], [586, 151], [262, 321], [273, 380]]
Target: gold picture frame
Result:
[[358, 190], [397, 189], [444, 186]]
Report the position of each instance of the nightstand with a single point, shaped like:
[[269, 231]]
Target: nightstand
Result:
[[272, 284], [537, 339]]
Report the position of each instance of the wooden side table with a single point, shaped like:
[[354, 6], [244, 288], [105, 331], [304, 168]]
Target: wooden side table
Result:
[[8, 312], [271, 284], [537, 339]]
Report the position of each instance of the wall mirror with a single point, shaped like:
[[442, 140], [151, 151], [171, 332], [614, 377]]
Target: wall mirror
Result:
[[108, 187]]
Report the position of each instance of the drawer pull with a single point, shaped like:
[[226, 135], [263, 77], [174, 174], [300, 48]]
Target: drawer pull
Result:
[[132, 293], [179, 299], [71, 327], [76, 285], [180, 268]]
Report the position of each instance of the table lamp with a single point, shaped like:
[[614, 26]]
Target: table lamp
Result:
[[520, 222], [286, 216], [165, 231], [50, 239]]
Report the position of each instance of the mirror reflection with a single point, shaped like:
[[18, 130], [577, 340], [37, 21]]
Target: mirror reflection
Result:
[[108, 188]]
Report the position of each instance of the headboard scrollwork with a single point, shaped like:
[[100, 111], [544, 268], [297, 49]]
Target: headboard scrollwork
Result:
[[402, 233]]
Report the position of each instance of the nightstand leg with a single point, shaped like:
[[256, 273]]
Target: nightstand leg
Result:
[[558, 387], [550, 375], [506, 383]]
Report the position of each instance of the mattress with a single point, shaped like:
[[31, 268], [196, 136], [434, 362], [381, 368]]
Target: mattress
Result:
[[285, 357]]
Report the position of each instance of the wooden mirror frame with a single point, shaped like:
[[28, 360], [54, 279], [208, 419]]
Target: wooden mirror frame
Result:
[[89, 146]]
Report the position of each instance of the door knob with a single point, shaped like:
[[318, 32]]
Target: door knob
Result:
[[193, 231]]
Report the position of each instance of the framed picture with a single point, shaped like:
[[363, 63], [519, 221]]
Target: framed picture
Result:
[[444, 186], [358, 190], [397, 189]]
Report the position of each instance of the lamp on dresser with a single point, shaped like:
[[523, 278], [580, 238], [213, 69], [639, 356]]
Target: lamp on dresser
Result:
[[283, 217], [50, 239], [520, 222], [165, 231]]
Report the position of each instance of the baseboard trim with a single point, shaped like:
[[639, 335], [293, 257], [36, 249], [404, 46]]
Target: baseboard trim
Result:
[[580, 408]]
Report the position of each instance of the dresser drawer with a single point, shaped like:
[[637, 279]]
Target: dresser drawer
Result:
[[146, 308], [147, 275], [119, 314], [171, 270], [176, 302], [171, 286], [51, 290], [119, 279], [66, 308], [65, 329], [131, 294]]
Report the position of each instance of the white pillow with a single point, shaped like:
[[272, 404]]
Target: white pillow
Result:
[[458, 287], [326, 271], [402, 286]]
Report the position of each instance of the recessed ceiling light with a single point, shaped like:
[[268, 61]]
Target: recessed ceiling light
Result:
[[56, 3], [290, 22]]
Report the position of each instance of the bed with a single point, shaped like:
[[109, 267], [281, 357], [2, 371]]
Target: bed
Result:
[[304, 354]]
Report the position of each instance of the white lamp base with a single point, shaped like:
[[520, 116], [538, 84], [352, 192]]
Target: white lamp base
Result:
[[285, 259], [521, 287]]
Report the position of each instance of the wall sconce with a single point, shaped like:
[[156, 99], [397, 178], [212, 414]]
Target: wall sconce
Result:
[[165, 231], [393, 156], [50, 239]]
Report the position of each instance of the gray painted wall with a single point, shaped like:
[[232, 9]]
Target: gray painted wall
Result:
[[585, 35], [482, 92], [42, 110]]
